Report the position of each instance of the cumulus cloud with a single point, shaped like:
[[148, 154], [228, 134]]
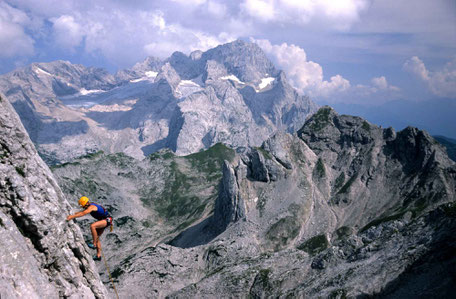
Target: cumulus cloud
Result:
[[260, 9], [306, 76], [13, 39], [117, 32], [126, 36], [416, 66], [68, 33], [441, 83], [381, 83]]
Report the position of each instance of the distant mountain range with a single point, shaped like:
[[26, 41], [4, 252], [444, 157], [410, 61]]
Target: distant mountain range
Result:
[[231, 94], [435, 116]]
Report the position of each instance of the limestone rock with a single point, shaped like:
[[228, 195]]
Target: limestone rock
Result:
[[42, 255]]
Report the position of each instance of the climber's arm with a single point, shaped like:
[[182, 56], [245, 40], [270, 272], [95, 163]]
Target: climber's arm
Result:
[[82, 213]]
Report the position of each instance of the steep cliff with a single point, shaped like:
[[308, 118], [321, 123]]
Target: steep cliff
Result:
[[41, 254]]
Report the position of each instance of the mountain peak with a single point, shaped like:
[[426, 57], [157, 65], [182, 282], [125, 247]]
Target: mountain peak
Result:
[[245, 60]]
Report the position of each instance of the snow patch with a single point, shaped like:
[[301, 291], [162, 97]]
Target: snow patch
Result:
[[151, 74], [188, 83], [265, 82], [84, 91], [40, 71], [187, 87], [137, 80], [232, 78]]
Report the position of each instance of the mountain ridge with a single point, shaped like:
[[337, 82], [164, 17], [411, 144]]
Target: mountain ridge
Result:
[[186, 103]]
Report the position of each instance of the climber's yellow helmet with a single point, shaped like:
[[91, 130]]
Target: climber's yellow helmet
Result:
[[83, 201]]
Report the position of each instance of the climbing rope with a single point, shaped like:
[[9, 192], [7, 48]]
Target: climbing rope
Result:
[[109, 273]]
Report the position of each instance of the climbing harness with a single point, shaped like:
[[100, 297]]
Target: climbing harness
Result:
[[109, 222], [109, 273]]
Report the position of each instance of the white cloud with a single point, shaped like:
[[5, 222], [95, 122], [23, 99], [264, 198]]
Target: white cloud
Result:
[[127, 36], [381, 83], [68, 33], [441, 83], [217, 9], [190, 2], [13, 39], [306, 76], [338, 14], [260, 9]]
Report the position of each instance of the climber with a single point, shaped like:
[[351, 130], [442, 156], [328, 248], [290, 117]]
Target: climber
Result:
[[97, 228]]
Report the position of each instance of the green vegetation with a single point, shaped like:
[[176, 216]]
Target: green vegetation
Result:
[[56, 166], [343, 232], [179, 201], [339, 181], [20, 170], [210, 161], [261, 204], [92, 155], [320, 169], [263, 277], [120, 159], [450, 209], [163, 154], [382, 220], [419, 206], [320, 119], [123, 220], [416, 209], [76, 162], [175, 200], [366, 126], [284, 230], [264, 152], [346, 187], [338, 294], [314, 245]]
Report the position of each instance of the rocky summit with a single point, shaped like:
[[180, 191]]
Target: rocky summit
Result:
[[231, 94], [342, 208]]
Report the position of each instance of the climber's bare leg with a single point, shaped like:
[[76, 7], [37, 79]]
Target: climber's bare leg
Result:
[[97, 229]]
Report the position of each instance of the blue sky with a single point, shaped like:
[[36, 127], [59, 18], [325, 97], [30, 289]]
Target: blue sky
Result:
[[346, 51]]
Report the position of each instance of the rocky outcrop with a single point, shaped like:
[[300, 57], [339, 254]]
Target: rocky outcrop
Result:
[[41, 254], [229, 206]]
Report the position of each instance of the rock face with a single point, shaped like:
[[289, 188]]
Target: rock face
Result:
[[231, 94], [41, 255], [343, 208]]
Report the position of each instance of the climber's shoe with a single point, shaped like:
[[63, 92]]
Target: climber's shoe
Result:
[[96, 258], [91, 245]]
